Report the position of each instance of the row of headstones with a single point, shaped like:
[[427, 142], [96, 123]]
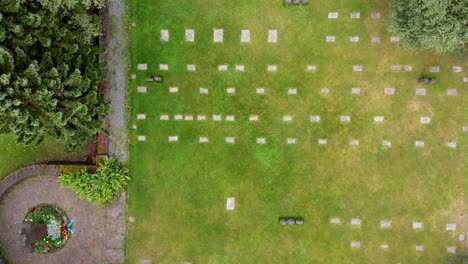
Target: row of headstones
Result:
[[357, 245], [286, 118], [292, 141], [388, 224], [293, 91], [311, 67]]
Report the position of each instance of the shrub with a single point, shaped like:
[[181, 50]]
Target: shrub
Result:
[[100, 188]]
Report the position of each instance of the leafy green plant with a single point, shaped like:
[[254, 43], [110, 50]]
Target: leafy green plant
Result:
[[100, 188], [48, 244], [42, 215]]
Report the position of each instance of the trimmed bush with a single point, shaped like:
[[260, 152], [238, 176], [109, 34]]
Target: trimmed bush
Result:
[[100, 188]]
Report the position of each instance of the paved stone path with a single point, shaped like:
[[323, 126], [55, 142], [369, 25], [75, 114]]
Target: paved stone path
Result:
[[99, 232]]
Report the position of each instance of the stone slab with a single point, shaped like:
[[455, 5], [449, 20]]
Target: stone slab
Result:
[[394, 39], [173, 138], [345, 119], [218, 35], [330, 39], [191, 67], [315, 119], [311, 67], [355, 244], [451, 227], [231, 90], [142, 89], [452, 145], [291, 141], [434, 69], [240, 68], [272, 36], [164, 35], [203, 140], [253, 118], [420, 92], [389, 91], [417, 225], [261, 140], [333, 15], [335, 221], [355, 15], [358, 68], [375, 15], [230, 140], [142, 67], [173, 89], [354, 39], [245, 36], [203, 90], [272, 68], [230, 203], [190, 35], [287, 118], [375, 39], [163, 67], [419, 143], [292, 91]]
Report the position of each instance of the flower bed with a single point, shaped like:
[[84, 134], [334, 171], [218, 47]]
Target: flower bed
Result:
[[55, 221]]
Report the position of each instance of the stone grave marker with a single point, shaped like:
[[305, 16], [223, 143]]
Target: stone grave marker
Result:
[[217, 35], [419, 143], [457, 69], [452, 145], [133, 76], [240, 68], [311, 67], [173, 89], [452, 250], [417, 225], [333, 15], [384, 246], [322, 141], [335, 221], [141, 138], [191, 67], [216, 117], [355, 244], [419, 248], [354, 142], [203, 140], [178, 117], [461, 237], [188, 118], [163, 67], [245, 36], [261, 141], [315, 119], [375, 15], [325, 90], [230, 140], [396, 67], [203, 91], [173, 138], [452, 92], [425, 120], [387, 143], [330, 38], [272, 68], [231, 90], [356, 221], [394, 39], [190, 35], [222, 67], [434, 69], [375, 39], [272, 36], [164, 35], [291, 141], [389, 91], [357, 68], [356, 91], [420, 91], [142, 67], [164, 117], [253, 118], [230, 203], [230, 118], [408, 68], [201, 117], [142, 89], [385, 224], [451, 227], [260, 90], [355, 15], [345, 119], [292, 91], [354, 38], [287, 118], [141, 116]]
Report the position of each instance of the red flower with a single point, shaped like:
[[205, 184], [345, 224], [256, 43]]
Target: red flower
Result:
[[47, 245], [37, 209]]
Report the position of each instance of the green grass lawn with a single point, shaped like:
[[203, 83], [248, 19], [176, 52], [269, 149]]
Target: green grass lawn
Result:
[[178, 195], [13, 156]]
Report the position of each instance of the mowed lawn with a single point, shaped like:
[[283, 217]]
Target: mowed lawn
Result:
[[179, 189], [14, 156]]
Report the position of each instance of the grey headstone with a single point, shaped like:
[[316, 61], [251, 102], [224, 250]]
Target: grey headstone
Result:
[[203, 140], [271, 68], [292, 91], [261, 140], [141, 117], [356, 221], [420, 91], [354, 142], [163, 67], [315, 119], [357, 68], [333, 15], [311, 67], [417, 225], [355, 244], [335, 220], [330, 38], [216, 117], [291, 141], [190, 35], [375, 15], [173, 89], [141, 138], [240, 67], [389, 91], [287, 118], [201, 117], [133, 77], [260, 90], [354, 38], [222, 67], [408, 68], [375, 39], [325, 90], [355, 90], [253, 118], [218, 35], [419, 248], [457, 69], [451, 227], [230, 118], [164, 35], [425, 120], [230, 140], [178, 117], [191, 67], [394, 39], [142, 67], [173, 138], [355, 15], [385, 224], [419, 144], [272, 36], [396, 67], [434, 69], [387, 143], [345, 119], [452, 250], [231, 90], [142, 89], [452, 92], [452, 145], [203, 91], [322, 141], [378, 119], [384, 246], [245, 36]]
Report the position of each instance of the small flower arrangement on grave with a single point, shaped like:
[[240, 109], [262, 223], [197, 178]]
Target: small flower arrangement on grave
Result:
[[56, 227]]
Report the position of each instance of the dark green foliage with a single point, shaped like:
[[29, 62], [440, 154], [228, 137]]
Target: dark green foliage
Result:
[[42, 215], [49, 75], [431, 24], [100, 188]]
